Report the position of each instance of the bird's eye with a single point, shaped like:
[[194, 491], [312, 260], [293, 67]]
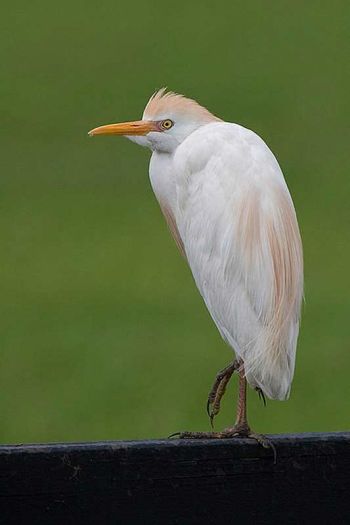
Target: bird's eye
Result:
[[167, 124]]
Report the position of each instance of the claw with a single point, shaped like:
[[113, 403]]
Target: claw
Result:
[[211, 416], [266, 443], [261, 395], [174, 434], [208, 407]]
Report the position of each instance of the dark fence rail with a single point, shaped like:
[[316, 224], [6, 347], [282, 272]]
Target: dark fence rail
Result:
[[178, 482]]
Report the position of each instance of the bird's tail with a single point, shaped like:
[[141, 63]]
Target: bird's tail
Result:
[[269, 361]]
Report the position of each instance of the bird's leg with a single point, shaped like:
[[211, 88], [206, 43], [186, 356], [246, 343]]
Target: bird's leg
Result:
[[218, 389], [241, 427]]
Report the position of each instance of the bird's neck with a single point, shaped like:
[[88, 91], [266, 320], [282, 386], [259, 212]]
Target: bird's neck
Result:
[[162, 177]]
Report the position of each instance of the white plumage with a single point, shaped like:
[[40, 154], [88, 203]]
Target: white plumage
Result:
[[234, 215], [227, 204], [238, 226]]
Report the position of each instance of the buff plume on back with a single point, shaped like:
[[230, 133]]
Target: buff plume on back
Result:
[[273, 252]]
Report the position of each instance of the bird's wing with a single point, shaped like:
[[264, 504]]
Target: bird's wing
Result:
[[240, 233]]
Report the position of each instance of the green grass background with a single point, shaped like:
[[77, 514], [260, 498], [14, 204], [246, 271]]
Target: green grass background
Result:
[[103, 334]]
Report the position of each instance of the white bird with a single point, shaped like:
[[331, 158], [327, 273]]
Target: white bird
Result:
[[229, 210]]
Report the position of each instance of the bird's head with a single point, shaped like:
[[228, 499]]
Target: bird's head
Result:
[[168, 119]]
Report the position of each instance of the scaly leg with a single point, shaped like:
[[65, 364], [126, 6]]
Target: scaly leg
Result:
[[241, 427]]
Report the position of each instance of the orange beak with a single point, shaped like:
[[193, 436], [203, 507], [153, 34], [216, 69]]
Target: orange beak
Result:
[[138, 127]]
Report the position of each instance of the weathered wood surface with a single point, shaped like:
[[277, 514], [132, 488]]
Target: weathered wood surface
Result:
[[178, 482]]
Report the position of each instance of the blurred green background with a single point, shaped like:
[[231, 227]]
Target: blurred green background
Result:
[[103, 333]]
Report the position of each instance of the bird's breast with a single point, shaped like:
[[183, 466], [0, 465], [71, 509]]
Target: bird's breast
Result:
[[162, 177]]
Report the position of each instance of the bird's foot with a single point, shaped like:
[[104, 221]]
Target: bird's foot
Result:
[[218, 389], [241, 430]]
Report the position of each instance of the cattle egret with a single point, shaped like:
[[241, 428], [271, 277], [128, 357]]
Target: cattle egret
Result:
[[229, 210]]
